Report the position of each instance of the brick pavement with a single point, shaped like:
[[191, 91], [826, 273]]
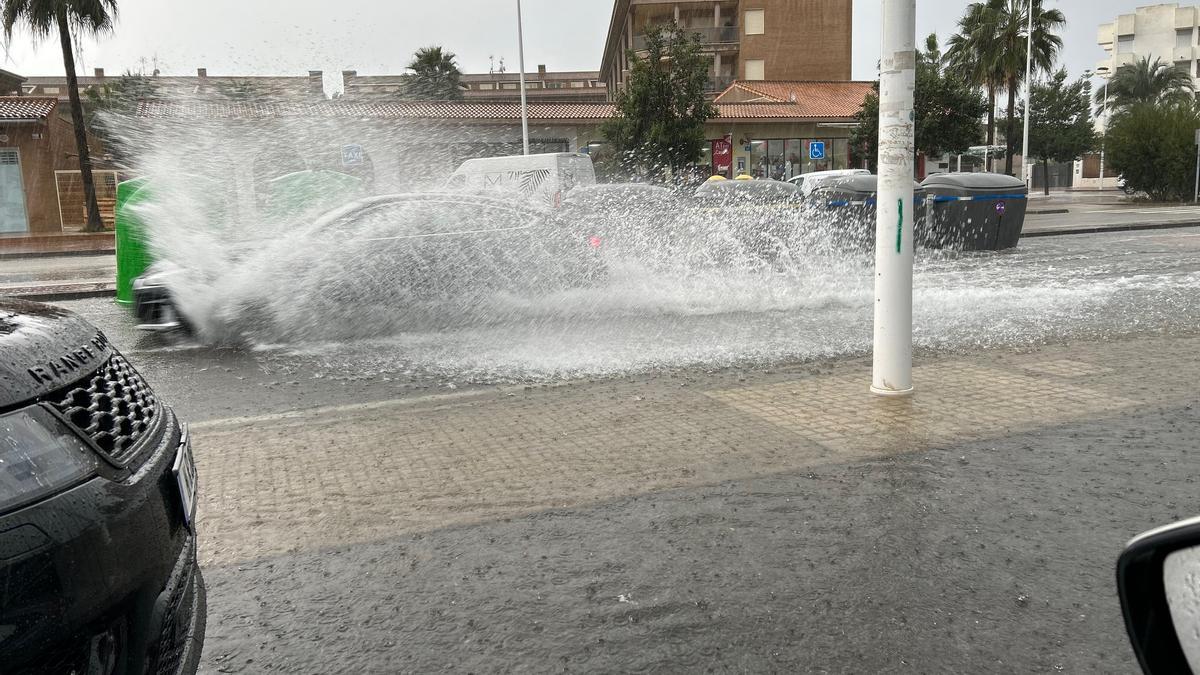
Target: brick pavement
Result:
[[345, 475]]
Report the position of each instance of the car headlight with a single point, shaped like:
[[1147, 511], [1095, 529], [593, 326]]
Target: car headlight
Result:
[[39, 455]]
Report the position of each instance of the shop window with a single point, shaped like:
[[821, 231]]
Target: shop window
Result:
[[756, 22]]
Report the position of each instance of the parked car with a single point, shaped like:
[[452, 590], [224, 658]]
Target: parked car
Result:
[[1158, 581], [635, 218], [541, 179], [98, 568], [411, 248], [807, 182]]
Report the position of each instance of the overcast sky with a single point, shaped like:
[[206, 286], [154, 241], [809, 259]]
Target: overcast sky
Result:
[[256, 37]]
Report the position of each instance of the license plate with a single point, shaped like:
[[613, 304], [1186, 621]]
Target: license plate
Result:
[[185, 477]]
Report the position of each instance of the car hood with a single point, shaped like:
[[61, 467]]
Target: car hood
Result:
[[44, 348]]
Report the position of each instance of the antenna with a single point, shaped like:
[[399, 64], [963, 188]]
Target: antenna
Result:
[[502, 68], [492, 67]]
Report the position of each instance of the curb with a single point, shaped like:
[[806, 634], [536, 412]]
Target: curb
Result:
[[55, 254], [1132, 227], [1046, 212], [61, 292]]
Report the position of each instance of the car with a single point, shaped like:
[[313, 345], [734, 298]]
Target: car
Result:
[[543, 179], [98, 569], [807, 182], [416, 252], [636, 218], [1158, 582]]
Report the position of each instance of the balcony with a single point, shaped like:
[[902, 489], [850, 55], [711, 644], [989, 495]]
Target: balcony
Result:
[[710, 35]]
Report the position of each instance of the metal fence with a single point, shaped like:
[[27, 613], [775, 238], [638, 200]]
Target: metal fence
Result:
[[72, 207]]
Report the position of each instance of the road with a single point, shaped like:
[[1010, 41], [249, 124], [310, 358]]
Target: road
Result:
[[684, 474]]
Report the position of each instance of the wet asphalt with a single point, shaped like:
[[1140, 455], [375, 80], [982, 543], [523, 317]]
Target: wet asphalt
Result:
[[986, 557]]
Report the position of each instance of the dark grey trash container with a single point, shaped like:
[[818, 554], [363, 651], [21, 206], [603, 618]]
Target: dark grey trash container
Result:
[[975, 211], [852, 200]]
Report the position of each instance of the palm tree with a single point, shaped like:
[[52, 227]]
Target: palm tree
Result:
[[974, 54], [1146, 81], [1012, 36], [44, 17], [435, 75]]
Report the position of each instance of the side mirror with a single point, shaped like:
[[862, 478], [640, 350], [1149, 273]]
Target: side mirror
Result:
[[1158, 579]]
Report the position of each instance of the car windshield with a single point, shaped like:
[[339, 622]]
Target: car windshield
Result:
[[619, 336]]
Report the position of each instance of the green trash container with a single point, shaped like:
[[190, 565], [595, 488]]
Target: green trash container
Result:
[[132, 255]]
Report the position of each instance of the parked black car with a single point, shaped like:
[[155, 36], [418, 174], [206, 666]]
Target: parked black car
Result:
[[98, 568]]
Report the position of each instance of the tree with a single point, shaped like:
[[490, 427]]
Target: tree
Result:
[[1153, 146], [109, 105], [974, 55], [1012, 36], [69, 19], [662, 109], [946, 112], [435, 76], [1145, 81], [991, 46], [1060, 124]]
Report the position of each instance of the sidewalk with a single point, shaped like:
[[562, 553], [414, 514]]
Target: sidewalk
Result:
[[308, 481], [58, 277], [73, 243]]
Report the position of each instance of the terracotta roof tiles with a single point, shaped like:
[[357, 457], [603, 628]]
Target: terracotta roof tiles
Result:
[[23, 108]]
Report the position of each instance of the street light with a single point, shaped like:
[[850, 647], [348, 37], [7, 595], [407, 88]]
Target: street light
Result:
[[892, 368], [1026, 167], [524, 103], [1103, 73]]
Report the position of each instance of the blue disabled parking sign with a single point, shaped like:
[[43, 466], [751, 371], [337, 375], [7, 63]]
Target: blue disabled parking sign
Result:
[[816, 150]]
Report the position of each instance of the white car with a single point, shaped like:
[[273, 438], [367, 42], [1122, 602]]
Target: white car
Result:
[[807, 182], [536, 179]]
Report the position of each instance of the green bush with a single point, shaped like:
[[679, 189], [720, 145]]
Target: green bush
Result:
[[1153, 146]]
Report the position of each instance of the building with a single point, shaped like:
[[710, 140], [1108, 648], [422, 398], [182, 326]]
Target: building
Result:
[[542, 86], [298, 87], [747, 39], [40, 189], [1166, 31]]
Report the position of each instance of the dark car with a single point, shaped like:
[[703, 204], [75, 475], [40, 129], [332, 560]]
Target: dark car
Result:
[[98, 568], [404, 250]]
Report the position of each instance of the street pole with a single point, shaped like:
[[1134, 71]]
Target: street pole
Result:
[[1026, 168], [892, 372], [521, 58], [1103, 134]]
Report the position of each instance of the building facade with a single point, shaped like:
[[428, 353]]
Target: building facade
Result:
[[1167, 31], [541, 85], [746, 39]]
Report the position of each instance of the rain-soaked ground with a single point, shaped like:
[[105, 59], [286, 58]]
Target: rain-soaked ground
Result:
[[1048, 290]]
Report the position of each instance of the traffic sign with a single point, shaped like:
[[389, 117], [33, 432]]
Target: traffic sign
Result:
[[352, 155], [816, 150]]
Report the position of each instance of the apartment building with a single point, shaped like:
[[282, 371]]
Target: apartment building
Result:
[[542, 85], [747, 39], [1166, 31]]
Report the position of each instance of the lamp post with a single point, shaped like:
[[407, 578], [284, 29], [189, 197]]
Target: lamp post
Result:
[[1103, 72], [524, 103], [1026, 167], [892, 371]]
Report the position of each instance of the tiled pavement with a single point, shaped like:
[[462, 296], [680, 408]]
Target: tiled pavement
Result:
[[353, 474]]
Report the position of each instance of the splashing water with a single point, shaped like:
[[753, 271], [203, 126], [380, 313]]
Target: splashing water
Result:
[[626, 281]]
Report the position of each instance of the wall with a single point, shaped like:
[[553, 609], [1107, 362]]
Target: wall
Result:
[[804, 39]]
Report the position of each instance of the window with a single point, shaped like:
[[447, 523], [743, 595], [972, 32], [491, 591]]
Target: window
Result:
[[756, 23], [1184, 67], [49, 90], [756, 69], [487, 86], [576, 84], [1125, 44], [510, 85], [1183, 38]]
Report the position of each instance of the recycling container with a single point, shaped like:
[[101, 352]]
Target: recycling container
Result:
[[132, 255], [852, 201], [308, 192], [975, 211]]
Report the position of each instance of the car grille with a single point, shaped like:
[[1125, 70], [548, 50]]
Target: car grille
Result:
[[114, 407]]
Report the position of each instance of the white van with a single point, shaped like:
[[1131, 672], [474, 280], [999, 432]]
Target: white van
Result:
[[807, 182], [541, 179]]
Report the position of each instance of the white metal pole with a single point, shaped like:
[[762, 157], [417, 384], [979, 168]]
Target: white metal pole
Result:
[[892, 374], [1026, 167], [1103, 134], [524, 103]]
